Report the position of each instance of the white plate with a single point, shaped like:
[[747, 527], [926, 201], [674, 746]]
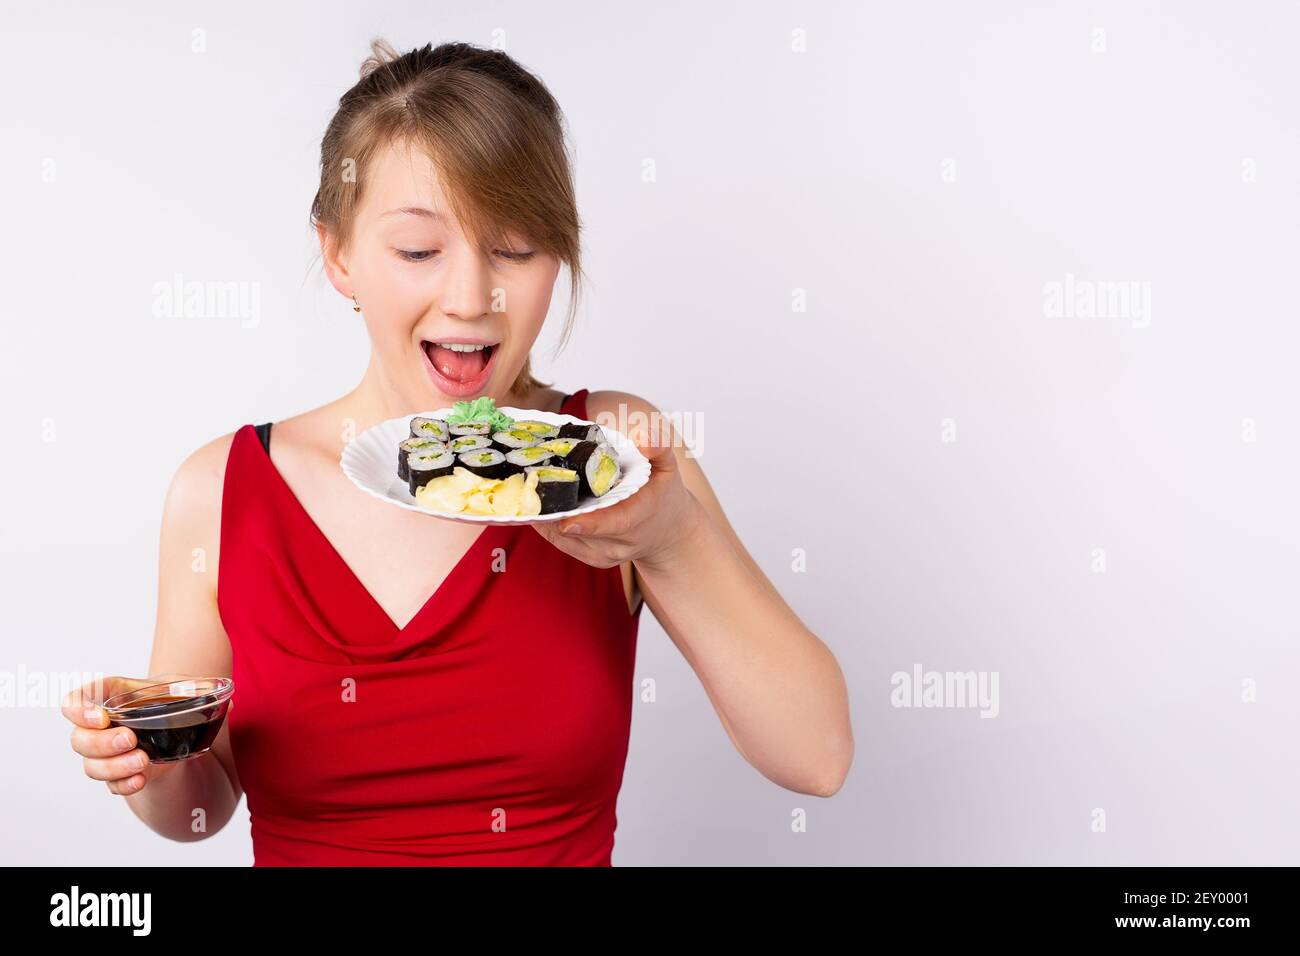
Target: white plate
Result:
[[370, 460]]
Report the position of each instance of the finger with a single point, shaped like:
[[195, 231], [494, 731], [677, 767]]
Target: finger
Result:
[[84, 705], [548, 530], [569, 544], [116, 768], [128, 786], [544, 528], [81, 706], [102, 743], [572, 545], [657, 451], [616, 520]]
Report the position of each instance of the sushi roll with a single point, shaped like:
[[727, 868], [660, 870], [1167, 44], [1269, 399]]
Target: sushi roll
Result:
[[513, 439], [542, 430], [556, 487], [583, 431], [423, 445], [424, 467], [596, 465], [486, 463], [521, 458], [434, 428], [463, 443], [471, 428], [560, 447]]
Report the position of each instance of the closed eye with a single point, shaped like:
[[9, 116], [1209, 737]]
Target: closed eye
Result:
[[510, 256], [418, 255], [424, 255]]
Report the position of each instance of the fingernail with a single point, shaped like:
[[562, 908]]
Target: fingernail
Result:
[[92, 715], [122, 741], [139, 762], [575, 529]]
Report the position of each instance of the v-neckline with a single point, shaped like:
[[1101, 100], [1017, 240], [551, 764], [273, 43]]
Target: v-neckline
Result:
[[489, 532]]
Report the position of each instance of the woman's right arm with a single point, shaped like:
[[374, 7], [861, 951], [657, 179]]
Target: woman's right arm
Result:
[[189, 640]]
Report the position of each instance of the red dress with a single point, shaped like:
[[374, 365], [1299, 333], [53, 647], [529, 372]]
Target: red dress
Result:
[[490, 730]]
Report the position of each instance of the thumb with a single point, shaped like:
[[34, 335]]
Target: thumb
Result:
[[657, 448]]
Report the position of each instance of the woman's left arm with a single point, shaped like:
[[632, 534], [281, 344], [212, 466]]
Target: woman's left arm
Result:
[[776, 687]]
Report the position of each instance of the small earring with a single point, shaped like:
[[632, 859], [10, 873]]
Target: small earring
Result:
[[356, 307]]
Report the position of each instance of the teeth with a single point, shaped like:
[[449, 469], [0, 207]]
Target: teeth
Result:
[[458, 347]]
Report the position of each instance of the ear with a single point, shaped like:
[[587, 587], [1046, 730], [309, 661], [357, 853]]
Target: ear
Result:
[[336, 265]]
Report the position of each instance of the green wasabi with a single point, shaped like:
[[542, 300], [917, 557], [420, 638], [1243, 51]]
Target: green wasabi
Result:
[[482, 409]]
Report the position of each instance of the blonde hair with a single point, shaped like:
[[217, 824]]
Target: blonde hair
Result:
[[492, 130]]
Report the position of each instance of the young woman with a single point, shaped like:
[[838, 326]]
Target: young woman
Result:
[[417, 691]]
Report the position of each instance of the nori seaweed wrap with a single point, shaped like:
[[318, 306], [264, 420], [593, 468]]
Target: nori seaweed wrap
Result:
[[424, 468], [584, 431], [596, 465], [486, 463], [556, 487], [423, 445]]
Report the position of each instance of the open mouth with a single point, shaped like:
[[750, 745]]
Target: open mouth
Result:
[[459, 368]]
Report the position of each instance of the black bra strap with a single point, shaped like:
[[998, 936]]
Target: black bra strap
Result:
[[264, 435]]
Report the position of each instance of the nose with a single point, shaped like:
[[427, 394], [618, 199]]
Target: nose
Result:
[[465, 291]]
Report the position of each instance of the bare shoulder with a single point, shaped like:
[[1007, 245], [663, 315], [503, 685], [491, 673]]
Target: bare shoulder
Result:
[[189, 545], [608, 403], [192, 512], [195, 490], [625, 412]]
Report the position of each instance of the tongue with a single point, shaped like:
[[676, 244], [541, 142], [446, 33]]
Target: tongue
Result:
[[458, 366]]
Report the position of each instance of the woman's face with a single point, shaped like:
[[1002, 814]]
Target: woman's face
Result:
[[429, 297]]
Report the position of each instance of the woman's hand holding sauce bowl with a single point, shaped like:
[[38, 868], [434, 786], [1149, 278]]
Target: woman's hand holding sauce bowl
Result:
[[132, 730]]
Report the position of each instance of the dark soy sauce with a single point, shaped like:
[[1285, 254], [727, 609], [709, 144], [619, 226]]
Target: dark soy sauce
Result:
[[168, 736]]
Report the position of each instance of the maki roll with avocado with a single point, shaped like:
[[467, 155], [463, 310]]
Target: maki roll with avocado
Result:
[[471, 428], [434, 428], [423, 467], [521, 458], [596, 465], [542, 430], [556, 487], [486, 463], [583, 431], [421, 445], [561, 447], [513, 439], [464, 443]]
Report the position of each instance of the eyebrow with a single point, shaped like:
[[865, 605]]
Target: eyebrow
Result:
[[414, 211]]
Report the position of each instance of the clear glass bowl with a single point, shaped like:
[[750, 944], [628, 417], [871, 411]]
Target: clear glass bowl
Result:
[[174, 720]]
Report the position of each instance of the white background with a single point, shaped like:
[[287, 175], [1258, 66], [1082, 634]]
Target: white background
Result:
[[777, 170]]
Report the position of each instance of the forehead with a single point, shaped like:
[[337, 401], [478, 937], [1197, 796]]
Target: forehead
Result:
[[403, 178]]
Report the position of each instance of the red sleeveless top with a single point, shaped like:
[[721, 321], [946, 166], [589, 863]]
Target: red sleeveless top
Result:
[[490, 730]]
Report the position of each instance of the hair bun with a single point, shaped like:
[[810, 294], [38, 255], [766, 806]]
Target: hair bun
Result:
[[381, 54]]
